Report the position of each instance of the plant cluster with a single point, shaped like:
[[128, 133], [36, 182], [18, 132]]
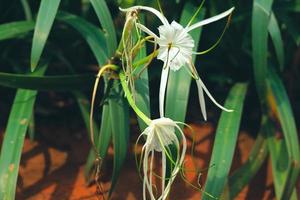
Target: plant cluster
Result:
[[125, 68]]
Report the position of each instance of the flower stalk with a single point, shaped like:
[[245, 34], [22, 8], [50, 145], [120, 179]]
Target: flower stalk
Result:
[[131, 100], [176, 49]]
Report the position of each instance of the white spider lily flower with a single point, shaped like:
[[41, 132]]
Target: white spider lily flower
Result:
[[176, 49], [159, 135]]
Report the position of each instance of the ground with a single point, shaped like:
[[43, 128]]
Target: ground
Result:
[[51, 173]]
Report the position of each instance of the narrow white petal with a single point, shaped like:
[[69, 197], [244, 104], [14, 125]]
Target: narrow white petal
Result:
[[210, 96], [184, 144], [152, 10], [174, 172], [201, 100], [162, 89], [146, 178], [210, 20], [151, 171], [144, 189], [146, 30], [163, 168]]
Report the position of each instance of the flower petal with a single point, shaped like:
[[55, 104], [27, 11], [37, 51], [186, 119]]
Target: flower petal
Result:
[[210, 20], [163, 168], [201, 100], [162, 88], [146, 177], [151, 172], [201, 84], [146, 30], [162, 18]]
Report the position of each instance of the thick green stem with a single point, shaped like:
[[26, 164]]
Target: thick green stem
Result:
[[131, 101]]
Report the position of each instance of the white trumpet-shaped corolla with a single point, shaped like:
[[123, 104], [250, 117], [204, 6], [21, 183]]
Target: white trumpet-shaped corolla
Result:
[[160, 134], [176, 49]]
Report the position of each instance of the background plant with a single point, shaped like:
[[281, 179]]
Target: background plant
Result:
[[61, 42]]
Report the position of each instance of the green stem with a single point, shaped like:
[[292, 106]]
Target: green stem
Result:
[[131, 101], [144, 60]]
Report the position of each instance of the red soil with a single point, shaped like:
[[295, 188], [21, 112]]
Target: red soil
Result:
[[47, 173]]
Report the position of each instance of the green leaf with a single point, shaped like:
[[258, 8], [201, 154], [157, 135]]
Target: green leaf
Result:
[[141, 94], [284, 152], [102, 138], [27, 10], [260, 20], [44, 21], [119, 117], [225, 141], [37, 82], [15, 29], [93, 35], [275, 34], [179, 82], [106, 21], [242, 176], [12, 145], [84, 106], [280, 163]]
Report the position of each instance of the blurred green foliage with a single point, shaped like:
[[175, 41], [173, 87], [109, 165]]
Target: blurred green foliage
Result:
[[260, 47]]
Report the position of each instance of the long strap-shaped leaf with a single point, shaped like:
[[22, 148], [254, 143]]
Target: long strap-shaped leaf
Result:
[[44, 21], [17, 125], [119, 117], [102, 138], [260, 21], [242, 176], [285, 153], [179, 82], [275, 34], [14, 29], [106, 21], [225, 141], [288, 149], [36, 82], [93, 35]]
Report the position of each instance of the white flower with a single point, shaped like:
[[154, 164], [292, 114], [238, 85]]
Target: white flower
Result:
[[176, 50], [159, 135]]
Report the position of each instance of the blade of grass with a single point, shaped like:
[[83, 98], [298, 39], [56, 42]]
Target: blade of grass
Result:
[[225, 141], [242, 176], [106, 21], [44, 21], [179, 82], [36, 82], [260, 20], [119, 117], [93, 35], [27, 10], [12, 145], [15, 29], [289, 155], [280, 163], [275, 34]]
